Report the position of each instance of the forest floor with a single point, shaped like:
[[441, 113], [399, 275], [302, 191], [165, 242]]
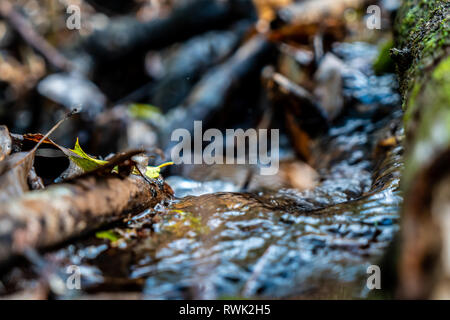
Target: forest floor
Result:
[[132, 228]]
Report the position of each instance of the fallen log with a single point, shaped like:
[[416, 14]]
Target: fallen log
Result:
[[125, 35], [207, 97], [210, 94], [191, 60], [43, 218], [422, 56]]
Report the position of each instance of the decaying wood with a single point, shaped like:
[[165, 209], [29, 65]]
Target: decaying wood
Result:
[[192, 59], [183, 67], [305, 117], [423, 60], [47, 217], [210, 94]]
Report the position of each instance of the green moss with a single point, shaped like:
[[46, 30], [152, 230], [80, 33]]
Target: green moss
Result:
[[411, 102], [436, 39], [432, 133], [384, 62], [442, 72], [422, 28], [412, 15]]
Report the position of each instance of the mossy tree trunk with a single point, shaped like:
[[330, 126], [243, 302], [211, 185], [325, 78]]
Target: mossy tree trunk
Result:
[[422, 37]]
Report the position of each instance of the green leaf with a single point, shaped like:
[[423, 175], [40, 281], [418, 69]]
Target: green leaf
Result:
[[153, 172], [88, 163], [83, 160], [110, 235], [145, 111]]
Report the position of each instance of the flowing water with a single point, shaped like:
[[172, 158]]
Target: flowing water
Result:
[[317, 243]]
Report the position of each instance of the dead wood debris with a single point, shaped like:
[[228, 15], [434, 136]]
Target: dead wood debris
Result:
[[85, 201], [44, 218], [210, 94], [23, 27]]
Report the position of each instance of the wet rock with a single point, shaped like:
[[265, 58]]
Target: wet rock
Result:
[[73, 91], [329, 85]]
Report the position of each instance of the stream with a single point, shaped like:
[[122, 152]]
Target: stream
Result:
[[215, 241]]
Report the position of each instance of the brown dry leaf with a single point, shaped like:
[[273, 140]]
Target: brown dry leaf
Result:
[[15, 169], [267, 10], [21, 76], [300, 139], [306, 18], [305, 117], [388, 142], [315, 11], [36, 137]]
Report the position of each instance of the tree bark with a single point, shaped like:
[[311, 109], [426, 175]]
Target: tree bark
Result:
[[422, 36]]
